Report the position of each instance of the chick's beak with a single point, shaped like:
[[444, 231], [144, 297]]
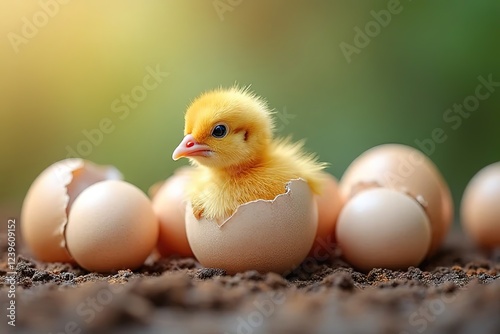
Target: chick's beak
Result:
[[189, 147]]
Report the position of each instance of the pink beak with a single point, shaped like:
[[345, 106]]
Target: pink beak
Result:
[[189, 147]]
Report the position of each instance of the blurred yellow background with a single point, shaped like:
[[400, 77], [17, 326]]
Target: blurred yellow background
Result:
[[68, 66]]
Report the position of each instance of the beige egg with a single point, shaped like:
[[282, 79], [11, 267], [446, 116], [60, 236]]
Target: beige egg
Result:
[[383, 228], [408, 170], [267, 236], [329, 205], [111, 226], [49, 199], [448, 214], [169, 205], [480, 207]]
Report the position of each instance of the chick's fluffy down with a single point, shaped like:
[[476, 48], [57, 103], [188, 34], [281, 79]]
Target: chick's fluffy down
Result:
[[248, 164]]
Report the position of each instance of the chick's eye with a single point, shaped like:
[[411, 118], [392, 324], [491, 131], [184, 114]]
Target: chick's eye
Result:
[[219, 131]]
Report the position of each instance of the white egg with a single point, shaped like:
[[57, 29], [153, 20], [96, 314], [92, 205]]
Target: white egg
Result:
[[111, 226], [383, 228]]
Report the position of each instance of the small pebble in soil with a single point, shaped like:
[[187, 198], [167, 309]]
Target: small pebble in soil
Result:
[[206, 273]]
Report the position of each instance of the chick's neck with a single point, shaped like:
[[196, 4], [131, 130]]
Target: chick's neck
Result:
[[246, 168]]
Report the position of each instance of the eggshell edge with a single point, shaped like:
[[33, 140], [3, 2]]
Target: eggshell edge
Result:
[[206, 236]]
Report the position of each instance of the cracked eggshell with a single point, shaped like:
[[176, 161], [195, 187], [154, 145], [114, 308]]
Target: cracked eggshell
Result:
[[480, 207], [383, 228], [169, 205], [408, 170], [267, 236], [45, 208]]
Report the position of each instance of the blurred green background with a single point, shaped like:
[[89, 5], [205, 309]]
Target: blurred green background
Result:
[[61, 76]]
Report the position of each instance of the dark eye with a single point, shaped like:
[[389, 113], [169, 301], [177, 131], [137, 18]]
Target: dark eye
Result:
[[219, 131]]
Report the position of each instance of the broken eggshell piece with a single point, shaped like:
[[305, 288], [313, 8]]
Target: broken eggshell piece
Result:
[[263, 235], [45, 209]]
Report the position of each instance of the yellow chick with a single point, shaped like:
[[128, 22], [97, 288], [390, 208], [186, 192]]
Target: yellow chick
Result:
[[229, 138]]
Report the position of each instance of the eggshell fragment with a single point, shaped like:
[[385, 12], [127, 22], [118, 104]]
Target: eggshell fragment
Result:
[[480, 208], [383, 228], [169, 205], [329, 205], [408, 170], [45, 207], [111, 226], [261, 235]]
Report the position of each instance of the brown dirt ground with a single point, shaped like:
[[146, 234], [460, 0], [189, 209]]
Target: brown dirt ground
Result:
[[457, 291]]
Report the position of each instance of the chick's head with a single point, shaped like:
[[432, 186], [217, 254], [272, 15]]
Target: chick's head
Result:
[[226, 128]]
